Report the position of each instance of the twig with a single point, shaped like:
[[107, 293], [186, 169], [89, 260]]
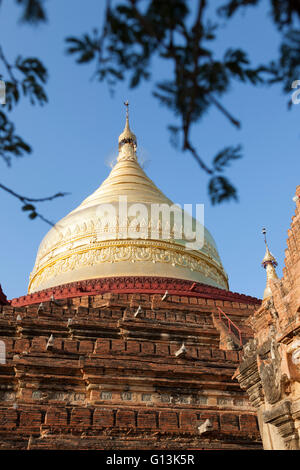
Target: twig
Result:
[[234, 121], [8, 66], [25, 199]]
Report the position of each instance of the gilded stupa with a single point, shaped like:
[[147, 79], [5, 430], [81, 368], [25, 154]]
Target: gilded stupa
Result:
[[88, 244], [129, 336]]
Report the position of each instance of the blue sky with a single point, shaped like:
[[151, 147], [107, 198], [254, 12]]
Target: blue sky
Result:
[[75, 135]]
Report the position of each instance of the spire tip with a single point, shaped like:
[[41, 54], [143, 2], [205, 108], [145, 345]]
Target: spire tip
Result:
[[268, 258], [126, 103], [127, 140]]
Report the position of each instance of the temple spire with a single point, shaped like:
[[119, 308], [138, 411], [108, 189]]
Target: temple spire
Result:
[[126, 103], [269, 263], [127, 140]]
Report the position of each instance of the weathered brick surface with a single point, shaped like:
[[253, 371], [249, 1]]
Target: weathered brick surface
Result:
[[31, 418], [103, 417], [118, 345], [168, 420], [248, 423], [188, 420], [113, 381], [21, 345], [8, 418], [204, 353], [56, 417], [70, 345], [231, 356], [147, 419], [162, 349], [217, 354], [38, 344], [86, 347], [133, 347], [81, 416], [147, 348], [102, 346], [125, 418], [229, 422]]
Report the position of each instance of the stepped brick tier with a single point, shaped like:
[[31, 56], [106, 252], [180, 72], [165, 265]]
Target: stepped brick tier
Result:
[[121, 364]]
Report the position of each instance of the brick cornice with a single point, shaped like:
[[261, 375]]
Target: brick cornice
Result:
[[134, 284]]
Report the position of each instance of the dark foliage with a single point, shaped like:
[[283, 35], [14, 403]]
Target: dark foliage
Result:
[[24, 78], [134, 34]]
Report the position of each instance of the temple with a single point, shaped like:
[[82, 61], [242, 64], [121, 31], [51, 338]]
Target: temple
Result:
[[270, 367], [129, 339]]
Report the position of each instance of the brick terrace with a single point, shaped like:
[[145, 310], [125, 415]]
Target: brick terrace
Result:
[[107, 379]]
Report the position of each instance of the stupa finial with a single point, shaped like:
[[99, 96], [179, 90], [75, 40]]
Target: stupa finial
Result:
[[126, 103], [268, 258], [269, 262], [127, 140]]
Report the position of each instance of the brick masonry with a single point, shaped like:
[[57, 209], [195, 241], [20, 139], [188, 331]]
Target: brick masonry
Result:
[[85, 372]]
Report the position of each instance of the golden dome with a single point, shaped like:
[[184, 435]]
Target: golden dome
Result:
[[88, 243]]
